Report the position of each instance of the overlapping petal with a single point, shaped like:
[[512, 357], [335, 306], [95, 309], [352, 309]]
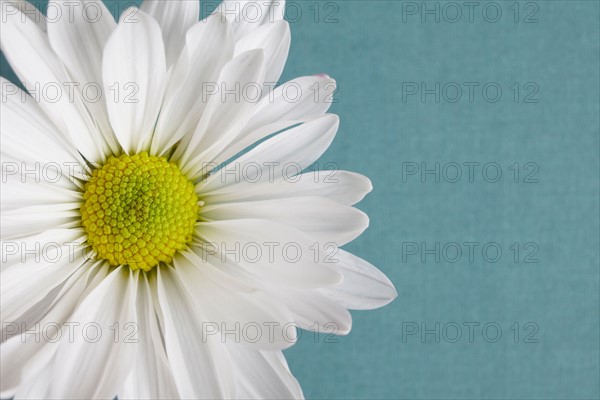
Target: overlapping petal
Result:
[[134, 72], [78, 38], [174, 18], [26, 364], [94, 359], [199, 93], [248, 15], [208, 47], [28, 50]]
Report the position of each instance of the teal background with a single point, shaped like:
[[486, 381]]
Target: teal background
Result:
[[371, 51]]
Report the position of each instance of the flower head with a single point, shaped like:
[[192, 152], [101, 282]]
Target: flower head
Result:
[[178, 242]]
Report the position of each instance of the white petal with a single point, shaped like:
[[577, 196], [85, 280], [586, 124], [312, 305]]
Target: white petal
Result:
[[315, 312], [364, 287], [303, 98], [208, 46], [202, 367], [323, 220], [297, 148], [26, 221], [28, 379], [47, 266], [221, 269], [27, 49], [225, 114], [79, 41], [344, 187], [175, 18], [36, 388], [24, 357], [299, 100], [28, 10], [151, 376], [248, 15], [246, 314], [274, 39], [18, 192], [263, 375], [98, 363], [22, 364], [275, 252], [134, 72], [28, 248], [29, 136], [31, 181]]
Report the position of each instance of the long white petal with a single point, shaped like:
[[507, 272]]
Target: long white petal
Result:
[[28, 135], [78, 38], [256, 318], [47, 266], [208, 46], [225, 114], [322, 219], [248, 15], [274, 39], [263, 375], [293, 150], [25, 357], [202, 367], [96, 359], [27, 9], [134, 73], [151, 376], [19, 251], [299, 100], [274, 251], [25, 221], [18, 192], [175, 17], [313, 311], [364, 287], [29, 52], [343, 187]]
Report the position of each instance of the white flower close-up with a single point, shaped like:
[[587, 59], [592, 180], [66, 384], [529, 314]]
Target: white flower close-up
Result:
[[159, 222]]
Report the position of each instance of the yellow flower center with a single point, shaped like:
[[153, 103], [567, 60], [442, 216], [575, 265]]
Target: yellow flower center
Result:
[[138, 211]]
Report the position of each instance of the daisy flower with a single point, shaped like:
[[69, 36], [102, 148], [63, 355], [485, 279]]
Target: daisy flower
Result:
[[161, 236]]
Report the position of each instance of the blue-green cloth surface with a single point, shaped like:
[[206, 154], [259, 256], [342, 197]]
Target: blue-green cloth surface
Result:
[[542, 213]]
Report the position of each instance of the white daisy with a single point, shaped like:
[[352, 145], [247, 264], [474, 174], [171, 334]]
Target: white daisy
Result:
[[133, 263]]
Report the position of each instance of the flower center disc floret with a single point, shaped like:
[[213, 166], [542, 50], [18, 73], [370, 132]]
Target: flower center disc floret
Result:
[[138, 211]]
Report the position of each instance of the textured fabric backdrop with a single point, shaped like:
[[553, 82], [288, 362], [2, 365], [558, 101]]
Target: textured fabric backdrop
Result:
[[465, 92]]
